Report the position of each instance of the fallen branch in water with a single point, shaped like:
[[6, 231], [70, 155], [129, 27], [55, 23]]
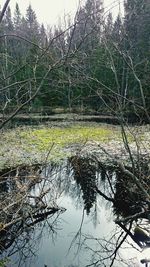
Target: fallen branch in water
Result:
[[142, 214], [103, 195]]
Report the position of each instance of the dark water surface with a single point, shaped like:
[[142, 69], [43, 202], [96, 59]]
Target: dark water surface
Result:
[[83, 232]]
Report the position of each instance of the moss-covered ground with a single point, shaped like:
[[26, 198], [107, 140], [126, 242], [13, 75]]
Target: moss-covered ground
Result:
[[31, 145], [28, 145]]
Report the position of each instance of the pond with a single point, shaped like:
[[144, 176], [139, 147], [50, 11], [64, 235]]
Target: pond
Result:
[[82, 231]]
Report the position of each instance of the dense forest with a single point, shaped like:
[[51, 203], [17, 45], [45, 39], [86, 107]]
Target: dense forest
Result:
[[90, 63]]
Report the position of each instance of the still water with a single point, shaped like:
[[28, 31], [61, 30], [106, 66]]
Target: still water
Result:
[[83, 233]]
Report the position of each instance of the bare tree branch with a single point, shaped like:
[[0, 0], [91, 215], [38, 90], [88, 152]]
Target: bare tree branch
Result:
[[2, 13]]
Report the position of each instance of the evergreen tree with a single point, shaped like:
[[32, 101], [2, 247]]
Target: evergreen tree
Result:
[[85, 38], [17, 19], [43, 42], [32, 26], [87, 31], [108, 26], [137, 21], [8, 22]]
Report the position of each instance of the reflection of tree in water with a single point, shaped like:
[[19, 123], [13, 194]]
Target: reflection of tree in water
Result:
[[112, 185], [129, 204], [25, 245], [85, 176], [25, 202], [129, 199]]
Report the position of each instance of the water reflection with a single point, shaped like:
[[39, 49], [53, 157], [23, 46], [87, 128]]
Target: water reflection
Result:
[[67, 216], [85, 176], [128, 198], [25, 203]]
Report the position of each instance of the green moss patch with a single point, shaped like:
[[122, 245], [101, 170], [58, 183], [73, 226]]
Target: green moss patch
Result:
[[29, 145], [42, 138], [37, 145]]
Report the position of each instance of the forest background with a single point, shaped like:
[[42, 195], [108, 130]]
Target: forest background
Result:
[[92, 64]]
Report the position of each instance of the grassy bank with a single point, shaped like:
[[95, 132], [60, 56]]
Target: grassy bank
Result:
[[36, 145], [30, 145]]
